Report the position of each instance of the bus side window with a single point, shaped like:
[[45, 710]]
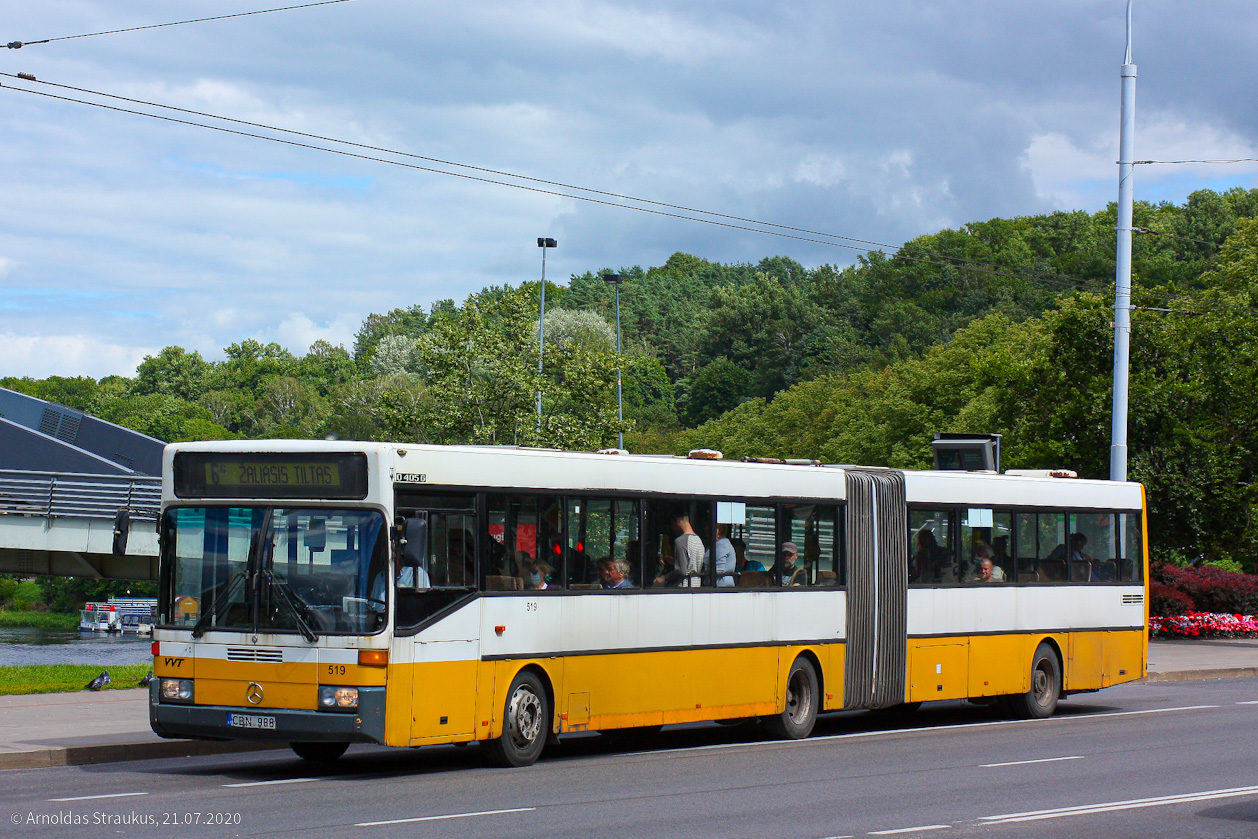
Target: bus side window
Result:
[[1025, 547], [931, 555], [1094, 547], [814, 529], [527, 531], [1131, 568], [1051, 559]]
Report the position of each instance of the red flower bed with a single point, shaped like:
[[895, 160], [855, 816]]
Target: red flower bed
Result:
[[1204, 624]]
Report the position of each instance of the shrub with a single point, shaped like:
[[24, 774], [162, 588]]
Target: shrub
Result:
[[1212, 589], [1167, 602]]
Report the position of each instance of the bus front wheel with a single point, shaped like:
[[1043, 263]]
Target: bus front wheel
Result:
[[1041, 700], [802, 694], [525, 724], [319, 752]]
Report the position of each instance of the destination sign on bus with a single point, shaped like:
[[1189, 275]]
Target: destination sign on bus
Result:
[[338, 475]]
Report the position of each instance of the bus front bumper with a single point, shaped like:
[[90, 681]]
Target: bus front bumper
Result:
[[210, 722]]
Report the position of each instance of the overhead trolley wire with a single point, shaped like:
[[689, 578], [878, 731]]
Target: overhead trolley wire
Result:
[[17, 45], [1060, 280], [1155, 162], [723, 220]]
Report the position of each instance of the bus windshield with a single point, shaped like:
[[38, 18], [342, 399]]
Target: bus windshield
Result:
[[272, 569]]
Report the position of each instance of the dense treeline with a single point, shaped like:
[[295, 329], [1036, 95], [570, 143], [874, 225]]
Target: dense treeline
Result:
[[1000, 326]]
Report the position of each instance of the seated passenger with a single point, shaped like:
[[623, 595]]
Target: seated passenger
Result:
[[1079, 563], [983, 554], [784, 570], [1077, 543], [988, 571], [615, 573], [537, 573], [741, 563]]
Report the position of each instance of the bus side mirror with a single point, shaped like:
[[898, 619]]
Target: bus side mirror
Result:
[[122, 529]]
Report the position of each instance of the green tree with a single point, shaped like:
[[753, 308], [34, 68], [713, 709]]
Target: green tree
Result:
[[173, 372]]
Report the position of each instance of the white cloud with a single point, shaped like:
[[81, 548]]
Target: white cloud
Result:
[[877, 121], [1080, 172], [297, 332], [69, 355]]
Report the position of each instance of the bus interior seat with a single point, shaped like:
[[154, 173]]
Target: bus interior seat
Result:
[[496, 582], [1105, 571], [1081, 570], [1052, 570], [827, 578], [584, 586], [753, 579]]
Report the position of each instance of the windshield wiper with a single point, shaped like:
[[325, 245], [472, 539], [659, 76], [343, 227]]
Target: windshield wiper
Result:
[[220, 605], [282, 589]]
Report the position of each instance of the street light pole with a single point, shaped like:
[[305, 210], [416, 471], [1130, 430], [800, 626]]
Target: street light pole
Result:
[[1122, 270], [542, 243], [616, 280]]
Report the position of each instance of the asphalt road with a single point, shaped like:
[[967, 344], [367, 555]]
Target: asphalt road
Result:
[[1157, 760]]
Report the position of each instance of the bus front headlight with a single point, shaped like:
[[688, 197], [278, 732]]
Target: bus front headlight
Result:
[[176, 690], [336, 698]]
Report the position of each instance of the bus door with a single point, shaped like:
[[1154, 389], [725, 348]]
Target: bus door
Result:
[[877, 589], [437, 569]]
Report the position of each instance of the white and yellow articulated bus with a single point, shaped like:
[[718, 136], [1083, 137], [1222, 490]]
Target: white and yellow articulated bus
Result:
[[328, 593]]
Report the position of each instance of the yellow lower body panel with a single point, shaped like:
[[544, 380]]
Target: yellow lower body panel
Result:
[[996, 665]]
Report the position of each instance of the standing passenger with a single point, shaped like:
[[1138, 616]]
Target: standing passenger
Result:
[[726, 559], [687, 556]]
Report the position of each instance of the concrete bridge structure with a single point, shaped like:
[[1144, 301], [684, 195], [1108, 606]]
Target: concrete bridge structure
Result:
[[64, 475]]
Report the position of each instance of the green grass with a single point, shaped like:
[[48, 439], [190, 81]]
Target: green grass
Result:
[[66, 678], [38, 620]]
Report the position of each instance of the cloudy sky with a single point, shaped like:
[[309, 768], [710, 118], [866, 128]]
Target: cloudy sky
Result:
[[121, 234]]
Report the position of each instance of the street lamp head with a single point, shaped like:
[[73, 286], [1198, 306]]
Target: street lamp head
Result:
[[613, 279], [543, 242]]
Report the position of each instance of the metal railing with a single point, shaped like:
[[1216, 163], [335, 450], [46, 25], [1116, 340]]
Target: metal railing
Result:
[[85, 496]]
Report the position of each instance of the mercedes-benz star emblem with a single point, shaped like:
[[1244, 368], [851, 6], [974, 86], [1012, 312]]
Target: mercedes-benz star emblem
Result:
[[253, 693]]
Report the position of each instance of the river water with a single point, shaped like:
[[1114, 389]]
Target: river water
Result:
[[23, 645]]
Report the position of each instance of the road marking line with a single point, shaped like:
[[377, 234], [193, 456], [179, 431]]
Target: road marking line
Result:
[[280, 781], [1025, 762], [94, 797], [450, 816], [840, 837], [1133, 804], [954, 727], [1250, 702], [909, 829]]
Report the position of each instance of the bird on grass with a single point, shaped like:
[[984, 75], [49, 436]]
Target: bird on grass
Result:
[[145, 680], [100, 681]]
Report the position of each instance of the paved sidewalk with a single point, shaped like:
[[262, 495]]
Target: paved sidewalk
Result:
[[61, 729]]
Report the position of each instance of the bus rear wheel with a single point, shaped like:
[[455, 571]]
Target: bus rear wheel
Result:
[[319, 752], [525, 724], [802, 694], [1041, 700]]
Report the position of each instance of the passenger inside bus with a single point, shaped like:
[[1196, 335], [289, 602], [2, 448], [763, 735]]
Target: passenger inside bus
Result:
[[987, 572], [741, 562], [687, 559], [983, 555], [615, 573], [785, 571], [926, 558], [725, 557]]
